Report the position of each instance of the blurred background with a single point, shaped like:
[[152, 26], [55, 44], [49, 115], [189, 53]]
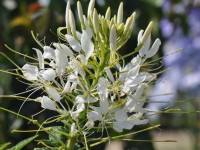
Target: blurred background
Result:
[[177, 24]]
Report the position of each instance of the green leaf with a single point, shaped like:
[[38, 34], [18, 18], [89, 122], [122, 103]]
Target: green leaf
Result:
[[3, 146], [57, 135], [23, 143]]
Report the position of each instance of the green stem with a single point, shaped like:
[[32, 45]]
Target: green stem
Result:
[[71, 142]]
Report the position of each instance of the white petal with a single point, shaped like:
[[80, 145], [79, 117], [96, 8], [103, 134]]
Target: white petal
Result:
[[67, 87], [139, 122], [119, 126], [30, 72], [48, 74], [91, 100], [104, 105], [94, 115], [133, 72], [73, 86], [154, 48], [133, 82], [65, 49], [78, 35], [140, 90], [143, 51], [110, 75], [102, 87], [80, 99], [40, 58], [136, 60], [140, 36], [136, 120], [128, 89], [134, 105], [53, 93], [73, 43], [121, 115], [147, 75], [71, 83], [87, 30], [47, 103], [80, 108], [48, 52], [77, 66], [72, 77], [61, 62], [82, 59], [87, 45]]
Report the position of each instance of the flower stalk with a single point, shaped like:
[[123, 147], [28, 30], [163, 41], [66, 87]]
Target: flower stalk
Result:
[[71, 142]]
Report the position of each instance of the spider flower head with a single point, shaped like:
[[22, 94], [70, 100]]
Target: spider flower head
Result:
[[85, 78]]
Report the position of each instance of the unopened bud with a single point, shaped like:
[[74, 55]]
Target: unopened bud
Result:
[[95, 21], [67, 15], [108, 14], [129, 23], [90, 8], [80, 14], [113, 38], [72, 23], [147, 32], [120, 13]]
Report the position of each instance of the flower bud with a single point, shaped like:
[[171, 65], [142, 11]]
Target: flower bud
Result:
[[120, 13], [67, 15], [154, 48], [72, 23], [90, 8], [147, 32], [80, 14], [129, 23], [95, 21], [113, 38], [108, 14], [46, 103]]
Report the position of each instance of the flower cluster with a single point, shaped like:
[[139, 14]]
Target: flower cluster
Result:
[[84, 77]]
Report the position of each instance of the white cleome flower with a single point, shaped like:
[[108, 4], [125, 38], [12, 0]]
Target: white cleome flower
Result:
[[30, 72], [84, 74], [134, 103], [125, 122], [146, 51], [80, 108], [46, 103], [53, 93]]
